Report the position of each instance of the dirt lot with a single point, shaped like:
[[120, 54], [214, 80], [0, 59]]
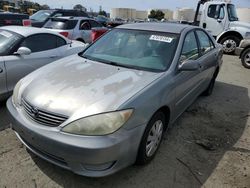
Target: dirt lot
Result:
[[209, 146]]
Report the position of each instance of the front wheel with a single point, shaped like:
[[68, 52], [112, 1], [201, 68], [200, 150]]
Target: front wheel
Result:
[[245, 58], [151, 139], [229, 44]]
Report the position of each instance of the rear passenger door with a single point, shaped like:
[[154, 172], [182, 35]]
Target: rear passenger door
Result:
[[208, 55], [3, 88], [85, 30], [187, 83], [43, 51]]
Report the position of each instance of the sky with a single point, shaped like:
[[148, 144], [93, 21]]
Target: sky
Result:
[[137, 4]]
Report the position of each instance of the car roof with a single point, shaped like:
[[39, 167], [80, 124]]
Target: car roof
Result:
[[160, 27], [71, 18], [27, 31]]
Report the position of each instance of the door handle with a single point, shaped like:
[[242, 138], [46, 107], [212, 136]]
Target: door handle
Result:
[[1, 70]]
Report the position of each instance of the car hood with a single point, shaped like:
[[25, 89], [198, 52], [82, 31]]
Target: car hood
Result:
[[78, 87], [240, 24]]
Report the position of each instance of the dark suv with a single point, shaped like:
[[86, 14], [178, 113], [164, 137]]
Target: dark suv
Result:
[[12, 19], [41, 17]]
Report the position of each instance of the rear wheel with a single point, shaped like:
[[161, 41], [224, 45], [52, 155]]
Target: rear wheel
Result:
[[245, 58], [229, 44], [151, 139]]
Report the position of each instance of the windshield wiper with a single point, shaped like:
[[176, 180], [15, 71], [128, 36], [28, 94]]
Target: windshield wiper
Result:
[[111, 63]]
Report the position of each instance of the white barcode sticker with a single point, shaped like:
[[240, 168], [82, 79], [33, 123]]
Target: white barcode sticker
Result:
[[161, 38]]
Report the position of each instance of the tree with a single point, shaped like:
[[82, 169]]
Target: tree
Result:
[[102, 13], [45, 7], [79, 7], [156, 14]]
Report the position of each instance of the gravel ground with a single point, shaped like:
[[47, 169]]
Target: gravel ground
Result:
[[209, 146]]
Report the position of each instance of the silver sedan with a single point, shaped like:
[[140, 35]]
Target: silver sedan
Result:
[[107, 108], [24, 49]]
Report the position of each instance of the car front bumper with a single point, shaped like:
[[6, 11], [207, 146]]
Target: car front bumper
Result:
[[238, 51], [93, 156]]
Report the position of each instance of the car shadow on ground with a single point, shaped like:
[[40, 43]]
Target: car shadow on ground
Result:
[[190, 151]]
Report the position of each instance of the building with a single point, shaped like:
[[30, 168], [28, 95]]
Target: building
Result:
[[244, 14], [123, 13], [141, 14], [184, 14]]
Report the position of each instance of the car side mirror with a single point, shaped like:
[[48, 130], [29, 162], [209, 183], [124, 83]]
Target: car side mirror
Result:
[[189, 65], [23, 51]]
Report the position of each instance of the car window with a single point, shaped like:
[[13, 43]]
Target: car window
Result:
[[60, 41], [94, 24], [190, 49], [216, 11], [40, 42], [135, 49], [206, 44], [59, 23]]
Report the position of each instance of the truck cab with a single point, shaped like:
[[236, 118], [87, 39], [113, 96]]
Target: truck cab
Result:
[[221, 20]]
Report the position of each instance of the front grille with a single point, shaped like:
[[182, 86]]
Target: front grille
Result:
[[56, 159], [41, 116]]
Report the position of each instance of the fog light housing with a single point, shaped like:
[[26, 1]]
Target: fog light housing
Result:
[[98, 167]]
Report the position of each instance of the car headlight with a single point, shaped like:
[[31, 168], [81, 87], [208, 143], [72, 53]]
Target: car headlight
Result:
[[101, 124], [15, 96]]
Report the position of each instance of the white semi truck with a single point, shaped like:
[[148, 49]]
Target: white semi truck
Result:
[[220, 19]]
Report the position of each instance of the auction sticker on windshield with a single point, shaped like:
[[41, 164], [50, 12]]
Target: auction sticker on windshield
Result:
[[161, 38], [5, 34]]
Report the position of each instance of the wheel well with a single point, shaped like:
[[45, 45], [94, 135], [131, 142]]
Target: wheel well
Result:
[[230, 33], [81, 40], [166, 111]]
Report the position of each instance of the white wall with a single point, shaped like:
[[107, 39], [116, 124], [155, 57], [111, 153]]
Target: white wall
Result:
[[244, 14]]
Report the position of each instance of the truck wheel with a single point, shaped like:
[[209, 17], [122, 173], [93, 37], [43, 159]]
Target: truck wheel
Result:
[[151, 139], [229, 44], [245, 58]]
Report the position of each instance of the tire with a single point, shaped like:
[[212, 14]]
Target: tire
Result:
[[157, 123], [229, 44], [210, 87], [245, 58]]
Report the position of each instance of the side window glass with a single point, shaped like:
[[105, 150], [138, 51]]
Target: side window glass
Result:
[[94, 24], [222, 13], [216, 11], [190, 48], [206, 44], [41, 42], [84, 25], [212, 11], [60, 42], [58, 15]]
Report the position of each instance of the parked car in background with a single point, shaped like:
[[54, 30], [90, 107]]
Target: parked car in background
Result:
[[41, 17], [7, 18], [24, 49], [103, 20], [118, 96], [75, 28], [243, 51]]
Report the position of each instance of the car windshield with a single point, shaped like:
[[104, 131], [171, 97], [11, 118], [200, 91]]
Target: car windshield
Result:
[[232, 14], [7, 41], [41, 15], [143, 50], [57, 23]]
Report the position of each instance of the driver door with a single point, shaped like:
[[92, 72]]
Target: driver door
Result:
[[215, 19], [43, 51]]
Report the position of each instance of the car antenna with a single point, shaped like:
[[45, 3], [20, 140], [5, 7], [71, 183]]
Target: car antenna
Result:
[[71, 40]]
